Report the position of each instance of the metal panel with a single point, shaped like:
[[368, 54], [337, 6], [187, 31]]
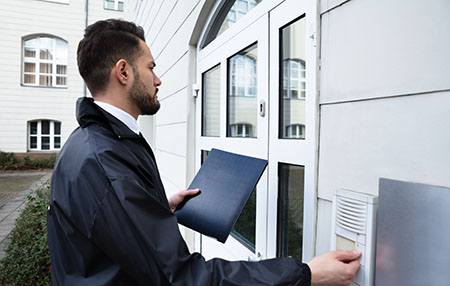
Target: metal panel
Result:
[[413, 234]]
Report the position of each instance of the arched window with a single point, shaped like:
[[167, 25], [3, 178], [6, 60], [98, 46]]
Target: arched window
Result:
[[44, 135], [242, 69], [44, 62], [230, 13]]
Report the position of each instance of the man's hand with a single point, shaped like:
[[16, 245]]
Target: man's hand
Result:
[[177, 198], [335, 268]]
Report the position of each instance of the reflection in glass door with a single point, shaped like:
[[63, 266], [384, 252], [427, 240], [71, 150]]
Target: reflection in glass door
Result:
[[211, 102], [242, 101], [293, 88]]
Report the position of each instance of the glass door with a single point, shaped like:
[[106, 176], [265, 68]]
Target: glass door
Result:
[[293, 136], [231, 115]]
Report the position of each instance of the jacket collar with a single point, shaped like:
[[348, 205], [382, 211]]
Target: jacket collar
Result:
[[89, 113]]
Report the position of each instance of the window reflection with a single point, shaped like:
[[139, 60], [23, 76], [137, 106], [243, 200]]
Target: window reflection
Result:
[[211, 102], [242, 100], [245, 228], [293, 81], [239, 9]]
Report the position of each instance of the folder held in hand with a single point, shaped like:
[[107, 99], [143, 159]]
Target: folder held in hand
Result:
[[226, 181]]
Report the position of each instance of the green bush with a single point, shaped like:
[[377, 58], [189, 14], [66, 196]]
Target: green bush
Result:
[[39, 163], [7, 159], [9, 162], [27, 260]]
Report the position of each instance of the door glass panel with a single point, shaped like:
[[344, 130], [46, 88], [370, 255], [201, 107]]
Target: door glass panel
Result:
[[245, 228], [290, 210], [211, 102], [242, 99], [230, 13], [293, 81], [239, 9], [204, 154]]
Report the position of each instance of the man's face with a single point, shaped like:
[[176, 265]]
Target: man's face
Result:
[[144, 89]]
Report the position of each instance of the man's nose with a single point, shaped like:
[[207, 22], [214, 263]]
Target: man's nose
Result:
[[157, 81]]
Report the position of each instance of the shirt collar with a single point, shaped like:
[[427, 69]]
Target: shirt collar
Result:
[[121, 115]]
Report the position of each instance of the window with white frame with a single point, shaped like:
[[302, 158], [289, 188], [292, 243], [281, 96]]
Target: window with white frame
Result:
[[294, 79], [239, 9], [44, 135], [243, 74], [241, 130], [44, 62], [116, 5], [295, 131]]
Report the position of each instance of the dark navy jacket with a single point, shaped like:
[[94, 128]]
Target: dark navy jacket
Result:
[[109, 221]]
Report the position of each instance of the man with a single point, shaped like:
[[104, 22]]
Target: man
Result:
[[109, 221]]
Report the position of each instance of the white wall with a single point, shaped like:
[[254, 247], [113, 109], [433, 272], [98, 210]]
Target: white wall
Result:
[[168, 26], [384, 93], [384, 97], [20, 104]]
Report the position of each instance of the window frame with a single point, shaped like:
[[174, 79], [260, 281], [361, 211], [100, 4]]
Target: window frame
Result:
[[213, 30], [289, 78], [37, 62], [116, 5], [39, 135]]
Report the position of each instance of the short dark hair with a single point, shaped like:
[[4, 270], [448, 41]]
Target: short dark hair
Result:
[[104, 43]]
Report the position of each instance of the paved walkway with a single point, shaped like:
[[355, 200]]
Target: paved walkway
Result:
[[11, 210]]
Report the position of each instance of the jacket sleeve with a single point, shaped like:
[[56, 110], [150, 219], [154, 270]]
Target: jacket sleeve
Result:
[[141, 235]]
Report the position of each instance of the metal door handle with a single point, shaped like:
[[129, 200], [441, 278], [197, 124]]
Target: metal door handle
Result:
[[258, 257], [262, 108]]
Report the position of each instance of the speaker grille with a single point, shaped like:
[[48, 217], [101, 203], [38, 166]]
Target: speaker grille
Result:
[[351, 215]]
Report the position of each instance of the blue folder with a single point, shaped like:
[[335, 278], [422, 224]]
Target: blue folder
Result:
[[226, 181]]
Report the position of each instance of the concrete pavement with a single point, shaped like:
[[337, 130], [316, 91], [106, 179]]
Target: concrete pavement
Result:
[[11, 210]]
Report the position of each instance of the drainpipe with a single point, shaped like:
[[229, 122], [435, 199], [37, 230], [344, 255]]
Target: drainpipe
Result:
[[86, 10]]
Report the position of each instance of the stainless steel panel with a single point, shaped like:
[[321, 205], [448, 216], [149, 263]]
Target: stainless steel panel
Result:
[[413, 234]]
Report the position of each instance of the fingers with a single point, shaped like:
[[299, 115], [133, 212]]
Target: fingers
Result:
[[347, 255], [353, 267]]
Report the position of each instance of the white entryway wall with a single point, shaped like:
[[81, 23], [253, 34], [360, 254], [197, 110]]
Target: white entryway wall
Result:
[[382, 87]]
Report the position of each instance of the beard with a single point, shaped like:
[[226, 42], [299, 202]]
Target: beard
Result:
[[147, 103]]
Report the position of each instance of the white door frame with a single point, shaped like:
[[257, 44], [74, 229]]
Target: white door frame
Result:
[[256, 147], [255, 27], [292, 151]]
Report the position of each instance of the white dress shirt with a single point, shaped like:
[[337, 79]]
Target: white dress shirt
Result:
[[123, 116]]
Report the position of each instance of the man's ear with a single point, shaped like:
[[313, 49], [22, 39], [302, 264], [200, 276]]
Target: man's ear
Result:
[[122, 71]]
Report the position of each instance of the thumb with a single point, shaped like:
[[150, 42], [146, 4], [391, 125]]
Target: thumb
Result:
[[347, 255], [191, 192]]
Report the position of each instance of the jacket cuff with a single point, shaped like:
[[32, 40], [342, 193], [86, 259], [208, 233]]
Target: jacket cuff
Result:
[[305, 277]]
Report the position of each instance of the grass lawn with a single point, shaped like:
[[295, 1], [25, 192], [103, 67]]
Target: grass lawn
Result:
[[13, 183]]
